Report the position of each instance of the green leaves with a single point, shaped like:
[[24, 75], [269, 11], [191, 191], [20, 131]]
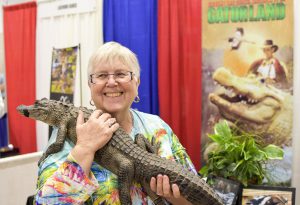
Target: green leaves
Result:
[[238, 155], [222, 132], [273, 152]]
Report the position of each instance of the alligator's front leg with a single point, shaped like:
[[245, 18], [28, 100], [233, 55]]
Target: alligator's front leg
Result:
[[143, 143], [58, 144], [125, 179]]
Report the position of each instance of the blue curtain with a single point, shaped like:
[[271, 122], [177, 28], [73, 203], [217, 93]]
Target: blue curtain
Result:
[[133, 23], [3, 131]]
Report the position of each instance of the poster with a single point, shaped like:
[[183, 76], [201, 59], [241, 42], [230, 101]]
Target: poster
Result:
[[247, 72], [63, 71]]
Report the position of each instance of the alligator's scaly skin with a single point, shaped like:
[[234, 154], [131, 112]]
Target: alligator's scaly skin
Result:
[[128, 160]]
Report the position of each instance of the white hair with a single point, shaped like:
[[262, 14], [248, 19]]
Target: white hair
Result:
[[111, 52]]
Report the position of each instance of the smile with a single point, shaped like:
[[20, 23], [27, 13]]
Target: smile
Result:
[[117, 94]]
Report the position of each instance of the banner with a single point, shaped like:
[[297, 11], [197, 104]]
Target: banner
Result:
[[67, 7], [247, 72], [63, 71]]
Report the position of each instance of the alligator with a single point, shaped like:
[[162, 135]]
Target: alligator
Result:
[[129, 160], [254, 106]]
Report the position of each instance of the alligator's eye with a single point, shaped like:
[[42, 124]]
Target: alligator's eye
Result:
[[262, 80]]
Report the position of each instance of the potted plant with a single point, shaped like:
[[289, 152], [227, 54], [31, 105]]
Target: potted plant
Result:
[[239, 155]]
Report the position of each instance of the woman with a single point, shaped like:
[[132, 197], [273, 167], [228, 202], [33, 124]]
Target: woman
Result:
[[2, 110], [71, 176]]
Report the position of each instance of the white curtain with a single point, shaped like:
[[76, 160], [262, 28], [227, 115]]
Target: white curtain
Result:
[[60, 31]]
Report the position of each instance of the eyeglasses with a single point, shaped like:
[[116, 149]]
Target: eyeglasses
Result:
[[119, 76]]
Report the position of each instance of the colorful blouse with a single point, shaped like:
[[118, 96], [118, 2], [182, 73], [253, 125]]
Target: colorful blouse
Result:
[[62, 181]]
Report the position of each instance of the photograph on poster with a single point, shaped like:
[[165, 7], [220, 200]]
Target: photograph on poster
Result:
[[265, 195], [229, 190]]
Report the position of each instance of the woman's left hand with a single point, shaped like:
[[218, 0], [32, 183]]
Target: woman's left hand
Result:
[[161, 186]]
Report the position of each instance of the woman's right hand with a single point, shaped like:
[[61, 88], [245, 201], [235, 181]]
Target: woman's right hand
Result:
[[91, 136], [96, 131]]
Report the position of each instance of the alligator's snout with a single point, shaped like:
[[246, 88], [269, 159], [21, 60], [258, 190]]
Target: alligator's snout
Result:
[[23, 110]]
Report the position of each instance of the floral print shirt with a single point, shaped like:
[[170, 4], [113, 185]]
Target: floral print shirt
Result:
[[62, 181]]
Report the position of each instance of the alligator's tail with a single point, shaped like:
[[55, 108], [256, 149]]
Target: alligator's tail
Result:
[[191, 186]]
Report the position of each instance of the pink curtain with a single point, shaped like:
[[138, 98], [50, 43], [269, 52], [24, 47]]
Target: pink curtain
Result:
[[19, 41]]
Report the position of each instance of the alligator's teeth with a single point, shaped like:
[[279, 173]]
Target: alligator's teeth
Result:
[[227, 92], [230, 93]]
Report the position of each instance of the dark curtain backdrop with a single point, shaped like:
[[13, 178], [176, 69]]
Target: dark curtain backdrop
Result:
[[179, 71], [133, 23], [19, 40]]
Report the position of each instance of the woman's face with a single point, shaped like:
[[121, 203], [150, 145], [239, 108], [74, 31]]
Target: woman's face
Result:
[[114, 97]]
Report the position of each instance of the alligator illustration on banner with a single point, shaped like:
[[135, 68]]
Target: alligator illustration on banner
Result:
[[254, 106]]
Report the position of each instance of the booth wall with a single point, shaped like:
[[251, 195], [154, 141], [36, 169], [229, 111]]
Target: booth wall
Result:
[[60, 31]]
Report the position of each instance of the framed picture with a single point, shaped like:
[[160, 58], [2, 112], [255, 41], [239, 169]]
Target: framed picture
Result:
[[229, 190], [267, 195]]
